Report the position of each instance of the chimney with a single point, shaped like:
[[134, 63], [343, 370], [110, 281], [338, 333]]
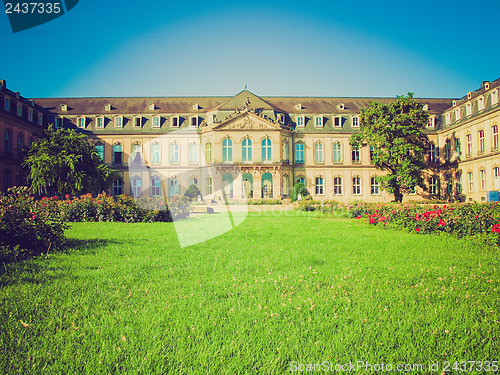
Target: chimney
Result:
[[3, 83]]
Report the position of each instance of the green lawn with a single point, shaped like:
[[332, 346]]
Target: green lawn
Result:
[[126, 299]]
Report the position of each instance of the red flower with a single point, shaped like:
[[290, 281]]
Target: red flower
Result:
[[358, 217], [372, 221], [66, 196], [417, 229], [442, 223]]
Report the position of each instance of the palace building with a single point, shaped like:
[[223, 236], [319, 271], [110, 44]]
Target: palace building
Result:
[[258, 147]]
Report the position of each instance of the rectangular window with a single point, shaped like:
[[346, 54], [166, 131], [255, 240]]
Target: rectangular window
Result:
[[494, 131], [337, 186], [318, 153], [320, 188], [470, 182], [7, 104], [117, 188], [155, 187], [337, 153], [337, 121], [117, 154], [81, 122], [356, 185], [59, 122], [119, 122], [19, 109], [301, 121], [469, 144], [432, 122], [40, 119], [299, 153], [193, 153], [174, 153], [30, 114], [496, 178], [482, 177], [433, 188], [459, 183], [356, 156], [209, 185], [208, 152], [155, 153], [319, 121], [458, 147], [481, 141], [100, 151], [156, 122], [375, 186], [355, 122]]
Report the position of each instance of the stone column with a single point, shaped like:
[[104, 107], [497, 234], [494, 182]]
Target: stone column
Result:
[[257, 185]]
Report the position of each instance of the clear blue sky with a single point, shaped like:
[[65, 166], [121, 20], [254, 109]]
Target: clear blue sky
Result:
[[277, 48]]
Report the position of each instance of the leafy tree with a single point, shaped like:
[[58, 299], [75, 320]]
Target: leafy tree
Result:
[[192, 191], [298, 189], [394, 132], [64, 162]]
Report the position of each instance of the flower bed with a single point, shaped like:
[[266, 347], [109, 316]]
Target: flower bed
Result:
[[478, 220]]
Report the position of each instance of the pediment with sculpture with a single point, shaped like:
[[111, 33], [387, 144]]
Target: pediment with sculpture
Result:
[[248, 121]]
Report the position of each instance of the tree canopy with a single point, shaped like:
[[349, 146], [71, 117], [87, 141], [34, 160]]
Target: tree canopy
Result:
[[63, 162], [398, 145]]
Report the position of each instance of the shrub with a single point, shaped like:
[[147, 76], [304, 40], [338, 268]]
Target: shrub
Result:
[[298, 189], [192, 192], [27, 226]]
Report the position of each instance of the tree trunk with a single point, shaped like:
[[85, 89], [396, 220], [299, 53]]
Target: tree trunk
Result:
[[398, 197]]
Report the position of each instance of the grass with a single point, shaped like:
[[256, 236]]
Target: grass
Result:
[[125, 298]]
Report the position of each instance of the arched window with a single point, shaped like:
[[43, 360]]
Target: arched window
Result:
[[337, 185], [246, 150], [469, 144], [266, 150], [300, 180], [318, 152], [481, 141], [155, 186], [482, 179], [337, 153], [227, 150], [247, 186], [267, 185], [136, 156], [174, 187], [117, 154], [209, 185], [356, 155], [227, 186], [299, 153]]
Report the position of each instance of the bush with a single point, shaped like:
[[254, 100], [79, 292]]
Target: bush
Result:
[[27, 226], [192, 192], [298, 189]]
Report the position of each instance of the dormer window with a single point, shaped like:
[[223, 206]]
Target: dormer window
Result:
[[480, 103], [7, 104], [355, 122], [469, 95], [30, 114], [468, 109], [341, 106], [40, 119], [137, 122], [196, 106], [454, 103], [175, 121], [280, 118], [301, 120], [447, 118], [18, 95], [19, 109], [99, 122], [59, 122], [152, 107], [194, 121], [64, 107], [426, 107], [107, 107], [212, 118], [298, 106], [80, 122], [337, 121], [119, 122], [156, 122], [318, 121], [458, 114], [432, 122], [494, 97], [486, 85]]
